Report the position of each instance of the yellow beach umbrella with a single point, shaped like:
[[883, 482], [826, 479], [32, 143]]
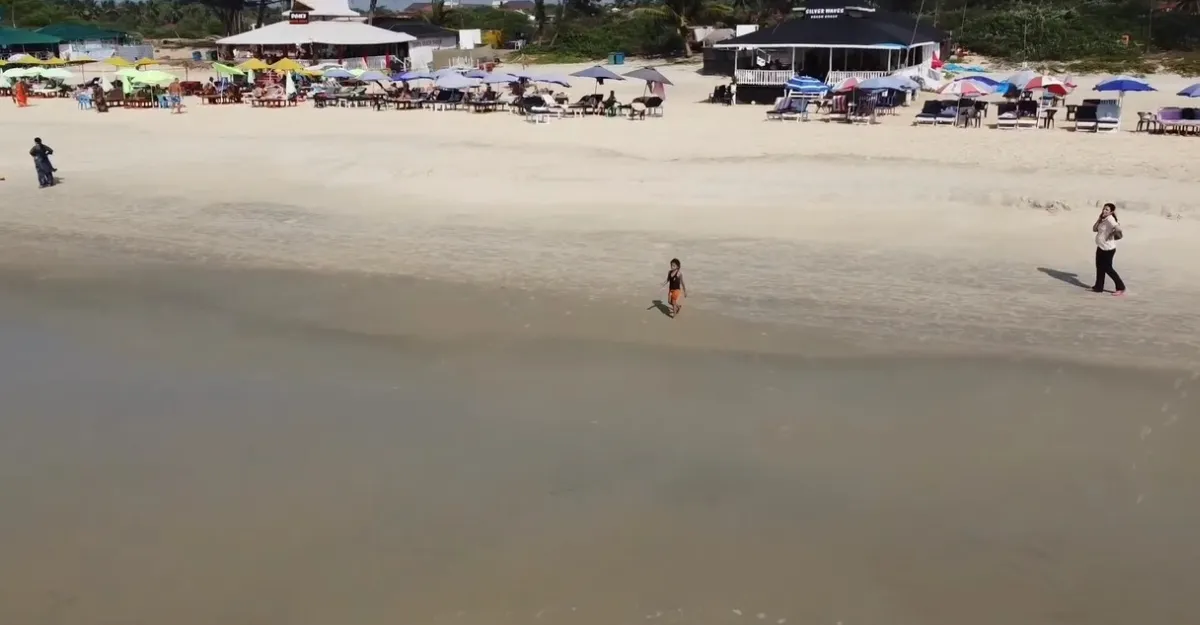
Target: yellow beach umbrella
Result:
[[287, 65], [82, 59], [117, 61], [144, 62], [25, 59], [254, 65], [54, 61]]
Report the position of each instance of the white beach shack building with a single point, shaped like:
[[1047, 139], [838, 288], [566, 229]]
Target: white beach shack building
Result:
[[830, 40], [326, 31]]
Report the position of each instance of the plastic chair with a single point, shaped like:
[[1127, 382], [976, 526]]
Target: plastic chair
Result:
[[84, 100]]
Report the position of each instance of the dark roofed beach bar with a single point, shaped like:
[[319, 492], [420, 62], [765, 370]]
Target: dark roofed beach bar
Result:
[[829, 39]]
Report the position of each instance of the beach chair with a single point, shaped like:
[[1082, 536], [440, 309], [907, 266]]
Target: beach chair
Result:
[[654, 106], [929, 113], [780, 107], [1027, 114], [1108, 116], [1085, 118], [1189, 121], [948, 116], [1006, 116]]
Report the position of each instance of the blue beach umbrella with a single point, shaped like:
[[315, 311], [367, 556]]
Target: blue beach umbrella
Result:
[[806, 85], [337, 72], [1191, 92], [499, 78], [412, 75], [454, 80], [475, 73], [1123, 84], [551, 79]]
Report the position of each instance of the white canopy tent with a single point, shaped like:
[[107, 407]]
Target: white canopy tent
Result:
[[332, 33]]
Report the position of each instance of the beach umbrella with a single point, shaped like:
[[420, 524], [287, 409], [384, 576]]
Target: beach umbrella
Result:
[[1046, 83], [58, 73], [897, 83], [552, 79], [253, 65], [1123, 84], [54, 61], [287, 65], [649, 74], [991, 82], [446, 71], [524, 75], [455, 80], [1191, 92], [154, 77], [848, 84], [289, 85], [595, 72], [337, 72], [806, 85], [476, 73], [140, 63], [226, 70], [116, 61], [372, 75], [82, 59], [499, 78], [15, 72], [412, 75], [965, 89], [25, 59]]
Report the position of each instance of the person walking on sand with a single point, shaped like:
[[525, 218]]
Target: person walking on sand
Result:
[[675, 287], [1108, 232], [21, 93], [41, 163], [175, 95]]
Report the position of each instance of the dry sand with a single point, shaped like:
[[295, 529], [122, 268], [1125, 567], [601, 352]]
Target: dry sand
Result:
[[349, 366]]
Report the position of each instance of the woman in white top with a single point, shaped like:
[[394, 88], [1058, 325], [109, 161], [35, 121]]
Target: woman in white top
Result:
[[1108, 232]]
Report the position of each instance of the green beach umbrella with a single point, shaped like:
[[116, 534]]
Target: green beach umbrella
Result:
[[154, 78], [227, 71], [57, 73]]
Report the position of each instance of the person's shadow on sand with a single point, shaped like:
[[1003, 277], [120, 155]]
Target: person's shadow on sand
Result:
[[662, 308], [1063, 276]]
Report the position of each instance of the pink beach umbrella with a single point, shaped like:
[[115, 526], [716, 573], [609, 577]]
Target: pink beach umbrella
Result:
[[1047, 83], [848, 84]]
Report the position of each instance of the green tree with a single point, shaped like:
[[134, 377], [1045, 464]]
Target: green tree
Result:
[[681, 15]]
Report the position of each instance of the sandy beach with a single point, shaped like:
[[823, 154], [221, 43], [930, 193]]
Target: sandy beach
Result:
[[312, 366]]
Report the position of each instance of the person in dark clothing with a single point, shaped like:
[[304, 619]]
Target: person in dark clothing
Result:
[[41, 162]]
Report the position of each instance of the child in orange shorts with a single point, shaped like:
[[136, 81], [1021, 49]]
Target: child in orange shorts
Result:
[[675, 287]]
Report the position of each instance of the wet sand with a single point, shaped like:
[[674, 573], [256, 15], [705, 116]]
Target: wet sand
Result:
[[201, 444]]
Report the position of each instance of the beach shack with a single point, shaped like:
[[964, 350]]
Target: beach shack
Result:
[[85, 40], [325, 31], [828, 39], [19, 41]]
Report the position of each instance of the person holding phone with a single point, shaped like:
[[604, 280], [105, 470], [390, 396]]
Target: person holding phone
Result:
[[1108, 232]]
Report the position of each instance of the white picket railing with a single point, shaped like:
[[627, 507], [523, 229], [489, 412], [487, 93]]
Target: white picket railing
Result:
[[836, 77], [763, 76]]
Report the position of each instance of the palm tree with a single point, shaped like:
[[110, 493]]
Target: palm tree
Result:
[[371, 8], [682, 14], [539, 16]]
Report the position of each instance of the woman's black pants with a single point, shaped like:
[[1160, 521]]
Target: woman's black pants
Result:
[[1104, 267]]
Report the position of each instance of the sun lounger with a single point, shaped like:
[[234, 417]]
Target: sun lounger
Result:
[[1085, 118], [929, 113], [1108, 116], [1027, 114], [948, 116], [1006, 116]]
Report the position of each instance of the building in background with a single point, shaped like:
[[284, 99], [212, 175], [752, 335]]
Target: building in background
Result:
[[79, 40], [429, 39]]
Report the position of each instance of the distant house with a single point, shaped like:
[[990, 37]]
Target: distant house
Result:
[[521, 6]]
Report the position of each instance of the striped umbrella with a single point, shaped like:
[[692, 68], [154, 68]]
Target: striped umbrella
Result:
[[965, 89], [806, 85], [1047, 83], [1191, 92]]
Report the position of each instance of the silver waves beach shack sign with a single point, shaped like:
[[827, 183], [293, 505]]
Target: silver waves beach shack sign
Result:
[[817, 13]]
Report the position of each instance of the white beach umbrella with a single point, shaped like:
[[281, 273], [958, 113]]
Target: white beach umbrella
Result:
[[58, 73]]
